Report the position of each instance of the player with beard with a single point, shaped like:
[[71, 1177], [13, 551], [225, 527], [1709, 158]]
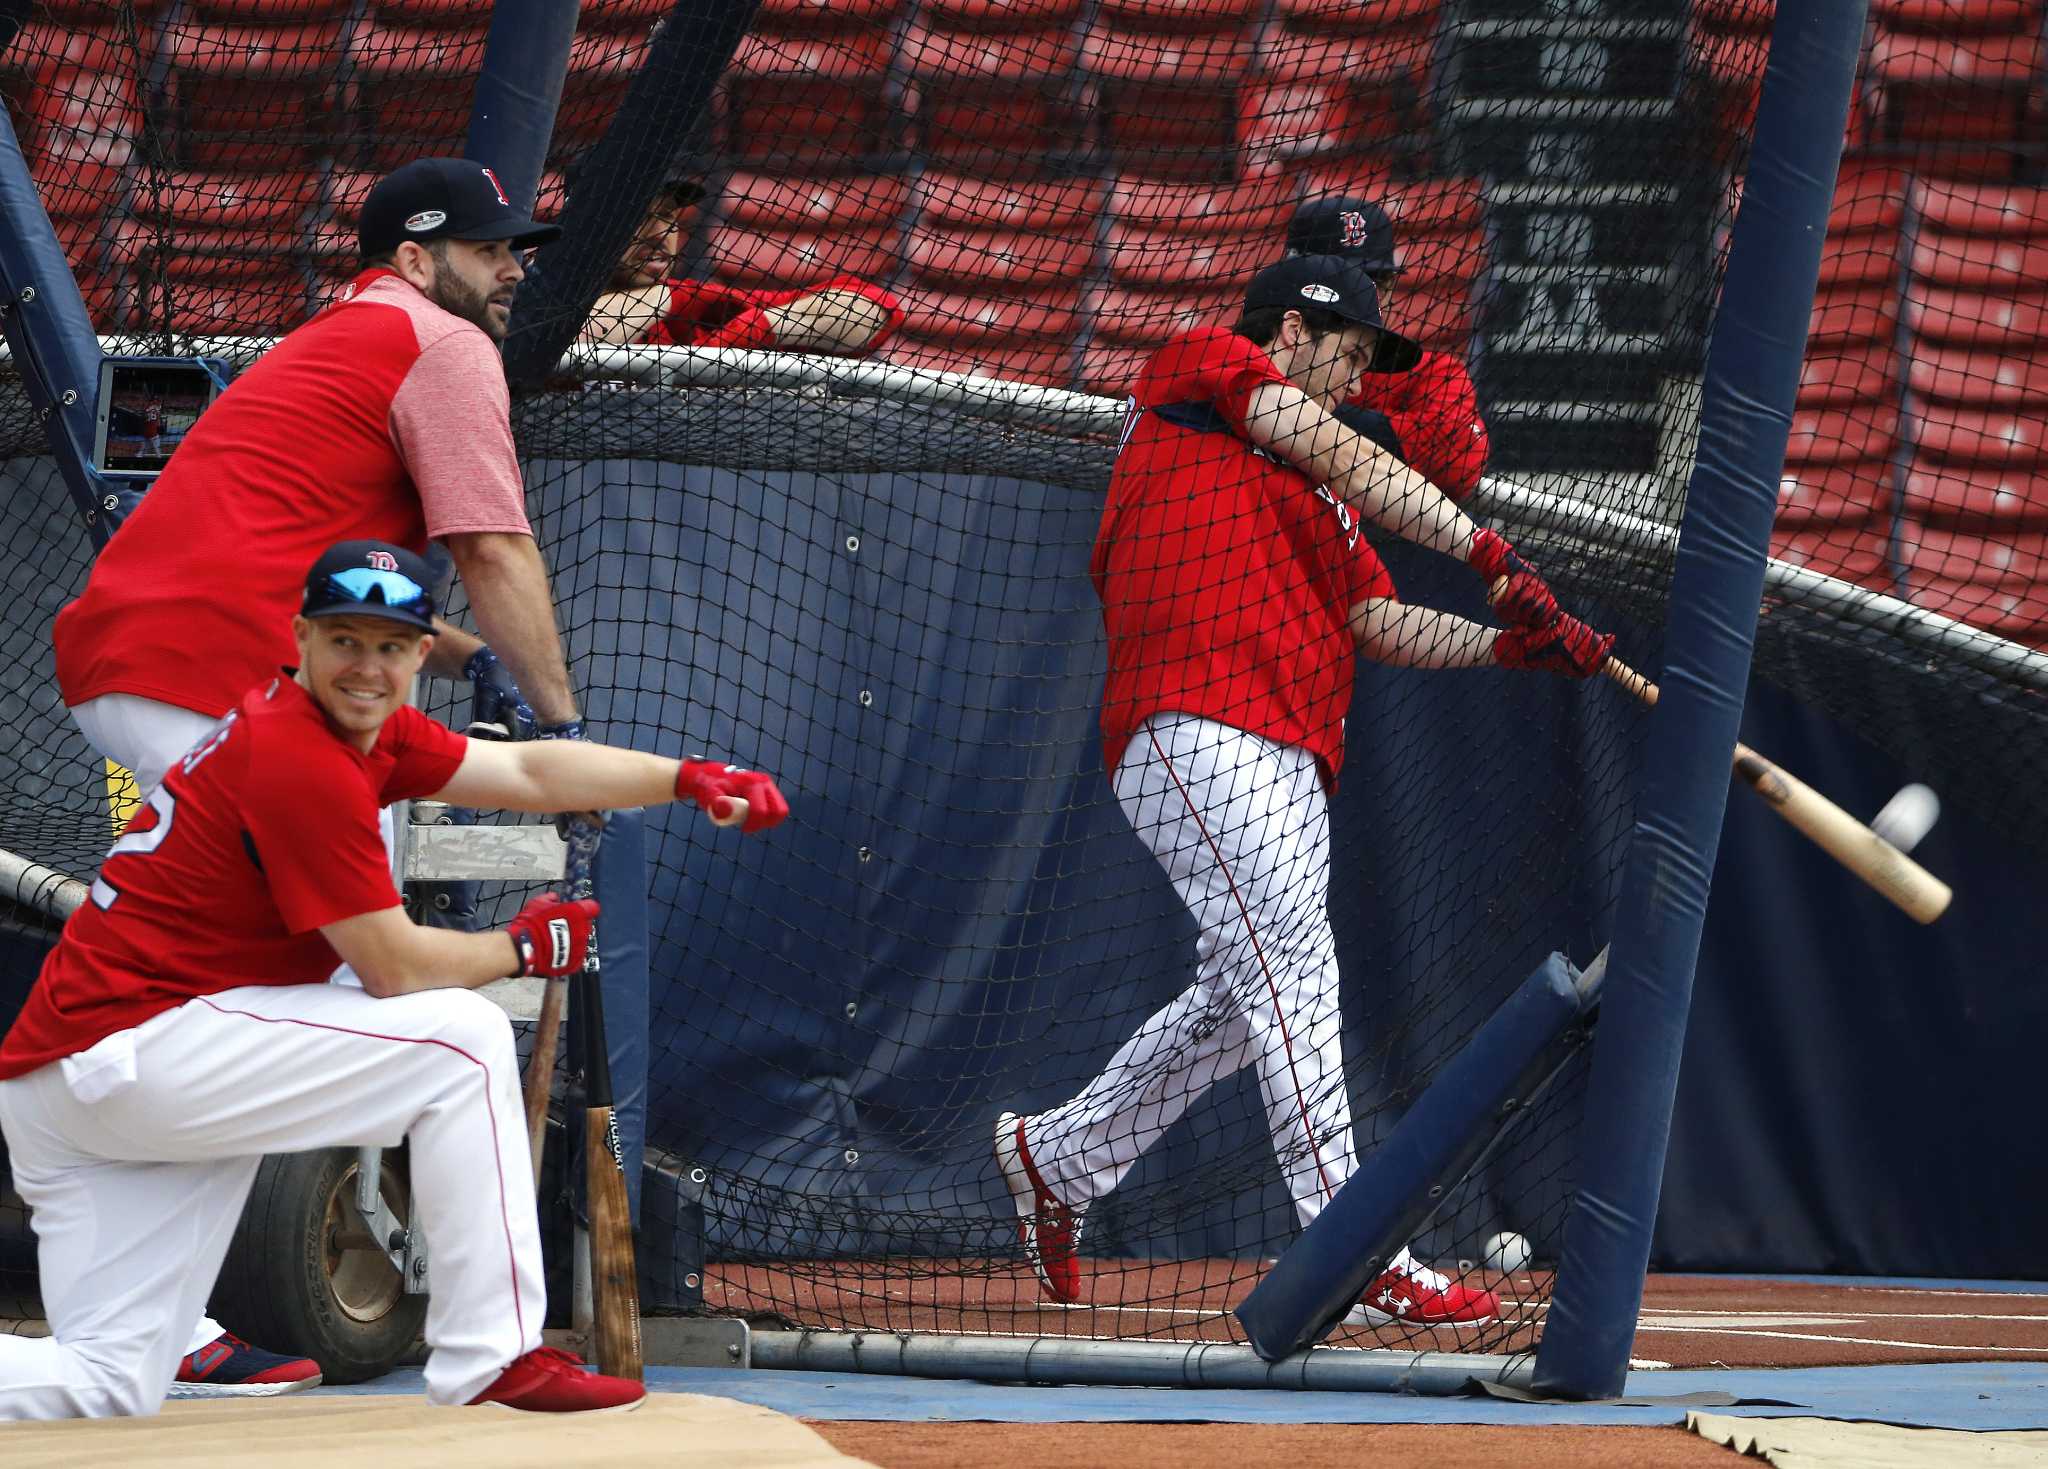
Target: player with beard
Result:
[[386, 417], [646, 302]]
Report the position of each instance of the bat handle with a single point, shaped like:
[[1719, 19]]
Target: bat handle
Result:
[[1637, 686]]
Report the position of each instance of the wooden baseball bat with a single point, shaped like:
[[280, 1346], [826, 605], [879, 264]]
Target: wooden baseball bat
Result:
[[540, 1069], [1910, 887], [614, 1273], [1896, 877]]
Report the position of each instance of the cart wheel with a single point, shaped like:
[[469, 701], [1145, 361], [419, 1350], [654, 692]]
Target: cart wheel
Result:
[[302, 1276]]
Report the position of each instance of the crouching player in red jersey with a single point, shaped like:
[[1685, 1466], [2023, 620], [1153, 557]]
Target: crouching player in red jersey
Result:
[[1236, 592], [183, 1026]]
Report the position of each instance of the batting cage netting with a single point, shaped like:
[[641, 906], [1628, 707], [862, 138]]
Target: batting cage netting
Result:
[[872, 555]]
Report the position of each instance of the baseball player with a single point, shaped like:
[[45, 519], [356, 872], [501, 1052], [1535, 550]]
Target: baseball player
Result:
[[1428, 417], [190, 601], [1236, 590], [845, 316], [183, 1027], [153, 426]]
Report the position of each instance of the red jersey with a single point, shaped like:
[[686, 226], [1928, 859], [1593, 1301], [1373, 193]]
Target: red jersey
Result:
[[699, 310], [263, 832], [1226, 575], [1435, 411], [383, 418]]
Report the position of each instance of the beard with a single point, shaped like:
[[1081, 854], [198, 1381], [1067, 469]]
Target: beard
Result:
[[458, 297]]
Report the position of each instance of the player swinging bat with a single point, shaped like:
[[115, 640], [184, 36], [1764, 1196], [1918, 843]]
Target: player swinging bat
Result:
[[183, 1025]]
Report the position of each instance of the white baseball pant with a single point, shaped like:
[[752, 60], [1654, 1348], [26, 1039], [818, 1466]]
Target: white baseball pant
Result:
[[147, 736], [1241, 826], [137, 1155]]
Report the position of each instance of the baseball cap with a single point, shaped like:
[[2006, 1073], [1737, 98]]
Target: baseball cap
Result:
[[444, 199], [1357, 228], [1340, 285], [370, 579]]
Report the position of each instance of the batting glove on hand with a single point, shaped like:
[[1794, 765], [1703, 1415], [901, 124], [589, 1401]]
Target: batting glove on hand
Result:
[[1566, 645], [712, 785], [552, 934], [497, 699], [1519, 596]]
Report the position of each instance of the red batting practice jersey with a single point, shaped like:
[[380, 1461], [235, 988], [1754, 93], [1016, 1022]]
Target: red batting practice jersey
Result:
[[1434, 410], [383, 418], [1226, 575], [265, 831], [697, 310]]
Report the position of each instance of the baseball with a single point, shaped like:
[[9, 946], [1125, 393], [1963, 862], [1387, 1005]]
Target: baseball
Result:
[[1908, 816], [1506, 1252]]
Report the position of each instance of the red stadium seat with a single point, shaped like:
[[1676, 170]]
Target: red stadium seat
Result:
[[1001, 258], [992, 100], [1131, 317], [261, 10], [2018, 615], [966, 320], [1851, 551], [1110, 369], [1181, 15], [1864, 434], [1168, 100], [1840, 494], [1000, 14], [1037, 50], [1214, 58], [1364, 60], [265, 308], [791, 15], [1733, 15], [1980, 262], [2003, 210], [402, 74], [602, 65], [1349, 15], [1853, 314], [1060, 206], [1948, 17], [232, 201], [1258, 206], [1970, 495], [1986, 380], [1967, 436], [786, 259], [1048, 366], [1439, 316], [2013, 561], [1863, 258], [1853, 373], [251, 96], [1949, 87], [1152, 257], [814, 201], [806, 96], [1990, 322]]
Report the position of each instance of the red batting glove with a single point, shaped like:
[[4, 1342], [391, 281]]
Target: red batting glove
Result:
[[553, 934], [1566, 645], [711, 784], [1525, 600]]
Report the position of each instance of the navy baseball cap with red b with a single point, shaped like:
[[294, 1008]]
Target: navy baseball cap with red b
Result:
[[1357, 228], [370, 579], [1341, 286], [444, 199]]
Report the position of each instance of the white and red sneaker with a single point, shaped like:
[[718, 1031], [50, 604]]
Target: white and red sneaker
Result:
[[228, 1367], [1048, 1228], [1419, 1296], [548, 1380]]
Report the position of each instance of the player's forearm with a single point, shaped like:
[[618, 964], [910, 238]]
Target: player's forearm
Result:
[[1402, 636], [830, 321], [1394, 497], [569, 775], [452, 649], [624, 316], [443, 959], [507, 586]]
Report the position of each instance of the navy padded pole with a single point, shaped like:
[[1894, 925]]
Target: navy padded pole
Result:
[[1752, 378], [619, 879], [526, 56]]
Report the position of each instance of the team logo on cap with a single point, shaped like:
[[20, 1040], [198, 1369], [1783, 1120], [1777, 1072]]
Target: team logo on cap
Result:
[[1317, 291], [382, 561], [1353, 230], [427, 219]]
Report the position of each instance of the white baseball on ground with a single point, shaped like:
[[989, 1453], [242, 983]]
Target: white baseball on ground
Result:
[[1506, 1252], [1907, 816]]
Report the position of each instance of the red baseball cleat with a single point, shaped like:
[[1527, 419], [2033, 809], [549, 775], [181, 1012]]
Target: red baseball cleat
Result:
[[1048, 1228], [1419, 1296], [548, 1380], [228, 1367]]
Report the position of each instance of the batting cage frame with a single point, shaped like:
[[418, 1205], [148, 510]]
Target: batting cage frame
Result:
[[623, 448]]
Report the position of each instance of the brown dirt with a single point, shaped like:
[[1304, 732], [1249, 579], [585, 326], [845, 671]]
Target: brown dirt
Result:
[[1239, 1445]]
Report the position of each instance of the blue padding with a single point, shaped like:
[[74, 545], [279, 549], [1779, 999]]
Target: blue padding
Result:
[[1752, 379], [525, 58], [1324, 1272], [620, 880]]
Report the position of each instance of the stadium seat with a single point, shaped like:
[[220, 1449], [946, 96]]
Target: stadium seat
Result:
[[1970, 495], [1970, 436], [2001, 210], [1949, 86], [813, 201], [1320, 95], [259, 10], [1349, 15], [1180, 15], [1735, 15], [1985, 380], [1851, 551], [1025, 260], [805, 96], [1169, 258], [1127, 316], [1001, 14], [1065, 206], [1258, 206], [1811, 496], [1848, 374], [1168, 100], [790, 15], [1980, 262], [402, 77], [1110, 369], [2020, 615], [198, 200], [784, 259], [250, 96], [993, 98], [1049, 366], [1865, 313], [968, 319], [602, 65], [1948, 17], [1990, 322], [2013, 561], [1864, 434]]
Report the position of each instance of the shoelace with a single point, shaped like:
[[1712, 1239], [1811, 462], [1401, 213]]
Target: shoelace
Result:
[[1435, 1280], [554, 1359]]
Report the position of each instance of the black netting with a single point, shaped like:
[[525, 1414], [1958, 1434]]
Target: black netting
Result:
[[879, 588]]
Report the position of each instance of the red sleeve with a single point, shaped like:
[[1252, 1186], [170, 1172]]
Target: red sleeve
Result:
[[1210, 365], [891, 307], [1442, 435], [310, 815], [427, 754], [451, 420], [1369, 575], [698, 307]]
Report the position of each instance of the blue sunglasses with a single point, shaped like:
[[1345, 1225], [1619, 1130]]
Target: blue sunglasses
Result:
[[392, 588]]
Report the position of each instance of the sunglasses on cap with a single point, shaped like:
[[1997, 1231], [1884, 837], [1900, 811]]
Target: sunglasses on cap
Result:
[[393, 589]]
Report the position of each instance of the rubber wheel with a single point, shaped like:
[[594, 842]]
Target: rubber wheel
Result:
[[293, 1282]]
